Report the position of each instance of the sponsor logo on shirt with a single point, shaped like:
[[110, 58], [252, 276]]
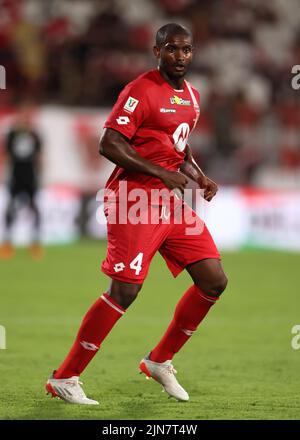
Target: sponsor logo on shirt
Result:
[[180, 136], [167, 110], [179, 101], [123, 120], [131, 104]]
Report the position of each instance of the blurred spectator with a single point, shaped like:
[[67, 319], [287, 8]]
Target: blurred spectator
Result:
[[83, 52], [23, 148]]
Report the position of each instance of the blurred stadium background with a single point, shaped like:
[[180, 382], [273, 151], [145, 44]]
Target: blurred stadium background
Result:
[[71, 59]]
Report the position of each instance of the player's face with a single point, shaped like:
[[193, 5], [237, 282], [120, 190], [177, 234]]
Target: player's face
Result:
[[175, 55]]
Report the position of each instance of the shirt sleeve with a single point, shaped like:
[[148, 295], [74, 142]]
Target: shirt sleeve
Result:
[[130, 110]]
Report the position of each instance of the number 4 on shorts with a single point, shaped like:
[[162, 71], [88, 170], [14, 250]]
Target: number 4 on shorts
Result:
[[136, 263]]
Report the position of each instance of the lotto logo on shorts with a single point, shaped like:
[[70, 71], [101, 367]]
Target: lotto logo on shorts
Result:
[[119, 267], [131, 104]]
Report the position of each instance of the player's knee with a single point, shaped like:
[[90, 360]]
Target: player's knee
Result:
[[124, 293], [214, 287], [218, 285]]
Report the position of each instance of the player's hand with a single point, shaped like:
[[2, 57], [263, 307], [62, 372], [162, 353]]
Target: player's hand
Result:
[[210, 188], [174, 179]]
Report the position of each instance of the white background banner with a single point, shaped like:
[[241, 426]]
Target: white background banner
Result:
[[73, 170], [236, 218]]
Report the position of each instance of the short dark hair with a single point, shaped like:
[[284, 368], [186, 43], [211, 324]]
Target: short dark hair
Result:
[[170, 29]]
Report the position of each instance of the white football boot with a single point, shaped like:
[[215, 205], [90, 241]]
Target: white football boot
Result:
[[68, 390], [163, 373]]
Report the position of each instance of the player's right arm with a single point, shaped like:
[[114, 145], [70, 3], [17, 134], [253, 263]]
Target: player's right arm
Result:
[[128, 114], [115, 147]]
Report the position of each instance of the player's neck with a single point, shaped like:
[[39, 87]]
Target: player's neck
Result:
[[175, 83]]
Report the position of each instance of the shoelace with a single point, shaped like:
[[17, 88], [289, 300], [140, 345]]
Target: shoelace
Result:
[[74, 382], [170, 369], [79, 390]]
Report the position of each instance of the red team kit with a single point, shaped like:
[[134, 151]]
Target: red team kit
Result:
[[157, 120]]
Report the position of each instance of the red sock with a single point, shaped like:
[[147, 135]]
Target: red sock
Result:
[[189, 312], [95, 326]]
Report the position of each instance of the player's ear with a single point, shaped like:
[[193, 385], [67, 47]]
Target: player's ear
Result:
[[156, 51]]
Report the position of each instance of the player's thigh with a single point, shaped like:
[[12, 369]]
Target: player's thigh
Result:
[[189, 241], [130, 251]]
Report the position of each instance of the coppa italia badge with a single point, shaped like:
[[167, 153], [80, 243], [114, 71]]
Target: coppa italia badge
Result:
[[131, 104], [179, 101]]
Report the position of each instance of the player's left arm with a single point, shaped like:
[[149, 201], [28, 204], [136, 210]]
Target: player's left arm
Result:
[[192, 170]]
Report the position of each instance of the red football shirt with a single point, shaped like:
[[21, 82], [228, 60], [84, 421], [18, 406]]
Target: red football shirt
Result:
[[157, 120]]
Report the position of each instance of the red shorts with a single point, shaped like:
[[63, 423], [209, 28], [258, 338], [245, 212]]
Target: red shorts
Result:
[[131, 247]]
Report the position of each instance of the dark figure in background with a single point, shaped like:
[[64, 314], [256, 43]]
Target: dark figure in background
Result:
[[22, 151]]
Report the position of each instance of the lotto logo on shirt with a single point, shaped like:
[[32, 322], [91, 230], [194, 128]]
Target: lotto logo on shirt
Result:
[[123, 120], [131, 104]]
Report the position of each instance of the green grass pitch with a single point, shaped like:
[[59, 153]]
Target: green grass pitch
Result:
[[238, 365]]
